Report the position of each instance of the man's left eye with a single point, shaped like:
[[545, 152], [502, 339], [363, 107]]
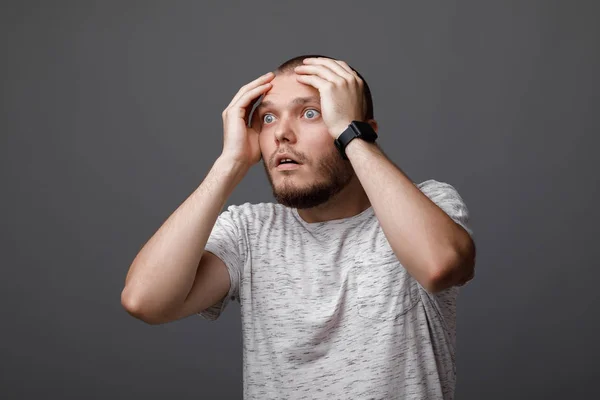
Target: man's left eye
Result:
[[311, 113]]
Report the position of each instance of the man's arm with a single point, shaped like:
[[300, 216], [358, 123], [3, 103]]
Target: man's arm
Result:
[[170, 277], [434, 249]]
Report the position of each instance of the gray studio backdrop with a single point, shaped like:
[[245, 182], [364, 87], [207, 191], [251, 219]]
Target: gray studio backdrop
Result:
[[111, 117]]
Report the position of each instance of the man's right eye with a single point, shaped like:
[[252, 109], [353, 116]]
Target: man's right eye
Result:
[[268, 118]]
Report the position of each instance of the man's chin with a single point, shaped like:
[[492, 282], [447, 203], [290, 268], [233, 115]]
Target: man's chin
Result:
[[304, 197], [299, 202]]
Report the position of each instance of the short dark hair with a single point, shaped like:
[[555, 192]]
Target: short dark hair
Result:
[[292, 63]]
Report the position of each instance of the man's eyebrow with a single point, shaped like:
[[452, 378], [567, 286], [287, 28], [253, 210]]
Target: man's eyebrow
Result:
[[297, 100]]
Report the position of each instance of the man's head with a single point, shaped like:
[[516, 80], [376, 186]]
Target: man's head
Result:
[[289, 65], [290, 123]]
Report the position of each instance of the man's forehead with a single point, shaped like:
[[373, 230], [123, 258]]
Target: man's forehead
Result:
[[299, 100], [286, 89]]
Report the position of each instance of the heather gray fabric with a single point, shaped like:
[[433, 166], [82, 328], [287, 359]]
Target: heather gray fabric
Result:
[[327, 310]]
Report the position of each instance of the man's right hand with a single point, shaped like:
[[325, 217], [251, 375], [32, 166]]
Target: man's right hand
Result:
[[240, 141]]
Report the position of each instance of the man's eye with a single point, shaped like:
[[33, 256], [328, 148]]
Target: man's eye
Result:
[[268, 118], [310, 114]]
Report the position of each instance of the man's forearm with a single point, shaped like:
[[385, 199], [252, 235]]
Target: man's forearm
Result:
[[434, 249], [162, 273]]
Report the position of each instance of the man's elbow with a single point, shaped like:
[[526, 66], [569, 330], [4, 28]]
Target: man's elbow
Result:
[[138, 309], [456, 271]]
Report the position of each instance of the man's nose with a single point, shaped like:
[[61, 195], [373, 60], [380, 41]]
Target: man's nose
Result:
[[285, 130]]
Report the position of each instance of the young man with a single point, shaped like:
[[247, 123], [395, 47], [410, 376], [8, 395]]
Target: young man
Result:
[[348, 284]]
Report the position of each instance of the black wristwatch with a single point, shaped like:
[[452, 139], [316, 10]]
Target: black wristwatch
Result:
[[356, 129]]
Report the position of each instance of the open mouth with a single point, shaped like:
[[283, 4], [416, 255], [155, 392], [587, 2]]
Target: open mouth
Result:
[[285, 166], [286, 163]]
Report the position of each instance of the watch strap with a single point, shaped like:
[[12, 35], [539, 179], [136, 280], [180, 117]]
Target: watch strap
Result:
[[356, 129]]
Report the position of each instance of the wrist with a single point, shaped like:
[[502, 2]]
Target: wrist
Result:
[[231, 167], [357, 145], [338, 129], [356, 130]]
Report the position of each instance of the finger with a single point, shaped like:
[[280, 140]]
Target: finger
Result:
[[320, 71], [352, 74], [314, 81], [332, 65], [245, 100], [345, 66], [257, 82]]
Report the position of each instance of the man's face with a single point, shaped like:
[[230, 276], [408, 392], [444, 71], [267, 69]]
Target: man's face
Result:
[[289, 121]]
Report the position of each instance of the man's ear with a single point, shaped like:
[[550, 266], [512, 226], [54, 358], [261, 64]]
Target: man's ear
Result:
[[373, 124]]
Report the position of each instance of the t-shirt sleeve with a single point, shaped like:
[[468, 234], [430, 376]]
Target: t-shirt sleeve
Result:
[[447, 198], [226, 242]]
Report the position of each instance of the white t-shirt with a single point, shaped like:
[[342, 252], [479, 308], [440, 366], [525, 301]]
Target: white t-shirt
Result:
[[328, 311]]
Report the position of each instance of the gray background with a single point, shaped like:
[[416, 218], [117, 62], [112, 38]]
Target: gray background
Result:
[[111, 117]]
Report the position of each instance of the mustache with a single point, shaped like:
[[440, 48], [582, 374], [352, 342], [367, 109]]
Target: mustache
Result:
[[297, 156]]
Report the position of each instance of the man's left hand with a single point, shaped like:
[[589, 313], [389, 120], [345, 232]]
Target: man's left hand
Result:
[[340, 88]]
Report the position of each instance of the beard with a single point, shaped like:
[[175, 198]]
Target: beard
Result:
[[337, 174]]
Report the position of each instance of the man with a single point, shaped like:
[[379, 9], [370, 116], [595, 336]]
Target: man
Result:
[[348, 284]]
